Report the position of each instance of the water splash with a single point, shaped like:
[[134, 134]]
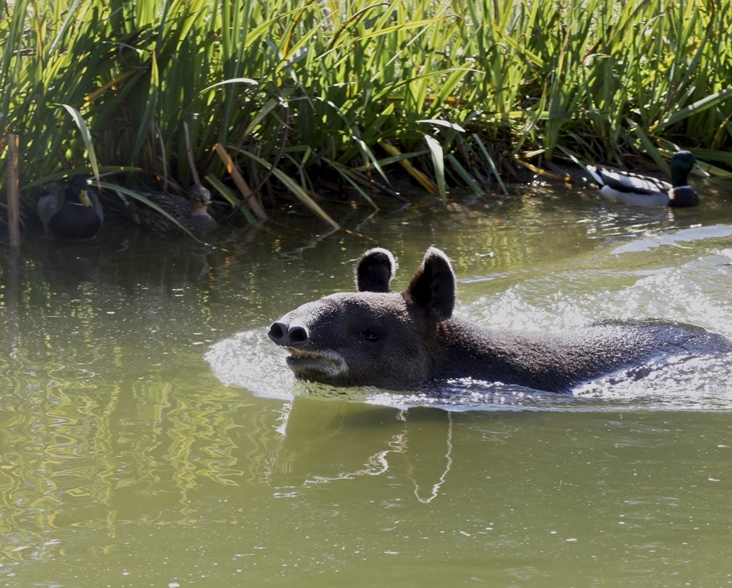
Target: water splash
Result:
[[694, 289], [678, 383]]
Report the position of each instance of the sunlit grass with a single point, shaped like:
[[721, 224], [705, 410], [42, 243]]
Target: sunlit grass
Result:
[[301, 91]]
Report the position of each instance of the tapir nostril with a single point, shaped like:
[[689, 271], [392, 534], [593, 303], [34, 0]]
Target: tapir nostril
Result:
[[277, 332], [284, 334], [298, 335]]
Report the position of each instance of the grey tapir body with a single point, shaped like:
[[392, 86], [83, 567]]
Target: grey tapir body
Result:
[[375, 337]]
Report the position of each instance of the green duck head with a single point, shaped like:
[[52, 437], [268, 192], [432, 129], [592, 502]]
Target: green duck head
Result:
[[682, 164], [77, 190]]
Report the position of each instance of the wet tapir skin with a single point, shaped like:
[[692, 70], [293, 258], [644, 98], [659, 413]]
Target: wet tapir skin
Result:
[[375, 337]]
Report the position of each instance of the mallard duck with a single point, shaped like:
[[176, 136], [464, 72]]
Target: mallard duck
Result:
[[70, 210], [647, 191], [190, 211]]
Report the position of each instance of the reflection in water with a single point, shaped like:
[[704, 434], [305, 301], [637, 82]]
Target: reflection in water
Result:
[[326, 441], [12, 295], [78, 440], [104, 397], [69, 265], [150, 433], [676, 238]]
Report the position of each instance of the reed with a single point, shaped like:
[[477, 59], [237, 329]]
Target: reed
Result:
[[298, 91]]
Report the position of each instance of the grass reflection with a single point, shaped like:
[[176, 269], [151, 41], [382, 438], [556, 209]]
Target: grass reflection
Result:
[[124, 460], [82, 451]]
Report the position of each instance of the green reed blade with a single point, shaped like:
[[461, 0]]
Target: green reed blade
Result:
[[85, 136]]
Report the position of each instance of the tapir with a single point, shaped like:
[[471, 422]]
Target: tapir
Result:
[[376, 337]]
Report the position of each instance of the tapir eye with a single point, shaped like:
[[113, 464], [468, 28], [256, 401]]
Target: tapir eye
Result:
[[370, 335]]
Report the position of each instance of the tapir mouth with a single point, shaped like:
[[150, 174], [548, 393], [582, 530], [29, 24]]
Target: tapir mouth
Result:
[[297, 354], [326, 362]]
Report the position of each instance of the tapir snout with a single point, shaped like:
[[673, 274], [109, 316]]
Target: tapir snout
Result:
[[288, 336]]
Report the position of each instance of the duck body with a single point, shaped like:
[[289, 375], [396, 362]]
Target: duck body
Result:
[[190, 211], [639, 190], [70, 210]]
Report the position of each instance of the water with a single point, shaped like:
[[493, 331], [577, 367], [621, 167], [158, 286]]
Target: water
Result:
[[152, 436]]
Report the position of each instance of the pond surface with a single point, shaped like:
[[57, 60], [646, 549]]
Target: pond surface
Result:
[[152, 435]]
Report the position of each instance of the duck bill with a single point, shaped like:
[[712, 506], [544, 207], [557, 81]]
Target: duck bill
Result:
[[84, 198], [697, 171]]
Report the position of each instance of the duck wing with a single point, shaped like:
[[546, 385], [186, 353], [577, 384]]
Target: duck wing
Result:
[[622, 181]]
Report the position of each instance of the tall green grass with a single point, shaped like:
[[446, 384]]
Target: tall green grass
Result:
[[301, 91]]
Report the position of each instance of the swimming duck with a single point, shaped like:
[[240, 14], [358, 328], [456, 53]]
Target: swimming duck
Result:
[[191, 211], [647, 191], [70, 210]]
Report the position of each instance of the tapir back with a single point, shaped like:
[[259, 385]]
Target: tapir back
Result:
[[557, 361]]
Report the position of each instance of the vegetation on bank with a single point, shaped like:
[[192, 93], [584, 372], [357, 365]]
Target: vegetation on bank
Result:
[[313, 95]]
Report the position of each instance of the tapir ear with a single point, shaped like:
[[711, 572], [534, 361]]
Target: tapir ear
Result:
[[433, 286], [374, 270]]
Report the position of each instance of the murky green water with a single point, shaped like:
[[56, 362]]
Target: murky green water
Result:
[[152, 436]]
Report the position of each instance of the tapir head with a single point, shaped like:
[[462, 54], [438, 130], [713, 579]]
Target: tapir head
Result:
[[372, 337]]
